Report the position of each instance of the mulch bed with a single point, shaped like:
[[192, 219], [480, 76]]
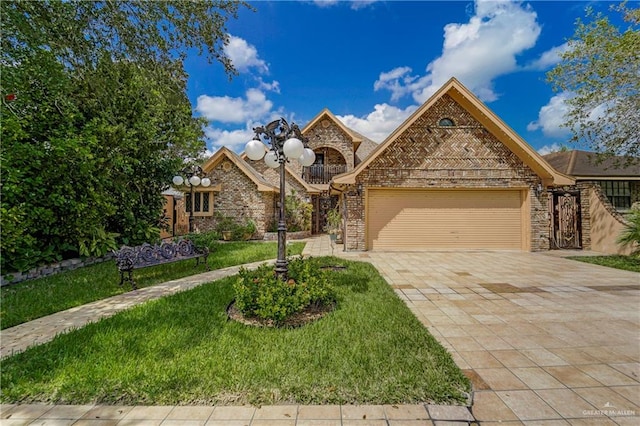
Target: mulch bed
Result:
[[310, 314]]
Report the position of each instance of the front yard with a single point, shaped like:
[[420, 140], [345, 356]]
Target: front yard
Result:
[[183, 349], [34, 299]]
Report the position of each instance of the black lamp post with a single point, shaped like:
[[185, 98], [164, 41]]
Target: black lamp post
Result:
[[193, 178], [284, 142]]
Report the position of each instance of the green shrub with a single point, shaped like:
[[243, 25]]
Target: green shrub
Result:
[[239, 231], [297, 213], [630, 236], [204, 239], [261, 293]]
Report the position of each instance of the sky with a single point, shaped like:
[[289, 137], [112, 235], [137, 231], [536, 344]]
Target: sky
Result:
[[372, 63]]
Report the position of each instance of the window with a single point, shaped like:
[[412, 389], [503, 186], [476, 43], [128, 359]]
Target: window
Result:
[[203, 205], [446, 122], [618, 192]]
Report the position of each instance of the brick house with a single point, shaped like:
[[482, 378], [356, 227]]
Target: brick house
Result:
[[245, 189], [452, 176]]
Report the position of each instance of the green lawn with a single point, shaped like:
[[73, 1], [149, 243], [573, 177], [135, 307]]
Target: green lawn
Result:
[[34, 299], [182, 350], [628, 263]]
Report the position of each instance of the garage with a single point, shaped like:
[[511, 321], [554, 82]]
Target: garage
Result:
[[405, 219]]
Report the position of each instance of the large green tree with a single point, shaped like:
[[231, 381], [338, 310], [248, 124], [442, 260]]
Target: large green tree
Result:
[[95, 119], [600, 73]]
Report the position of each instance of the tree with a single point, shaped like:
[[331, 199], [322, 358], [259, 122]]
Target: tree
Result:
[[599, 71], [78, 32], [95, 119]]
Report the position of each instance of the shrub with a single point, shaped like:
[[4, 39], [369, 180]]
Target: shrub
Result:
[[203, 239], [238, 230], [297, 213], [261, 293], [631, 234]]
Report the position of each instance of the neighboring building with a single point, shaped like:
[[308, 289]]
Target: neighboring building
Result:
[[590, 214], [452, 176]]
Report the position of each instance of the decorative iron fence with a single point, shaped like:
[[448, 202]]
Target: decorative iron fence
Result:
[[322, 174]]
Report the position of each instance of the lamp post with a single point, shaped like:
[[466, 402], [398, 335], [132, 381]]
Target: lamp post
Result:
[[193, 178], [283, 142]]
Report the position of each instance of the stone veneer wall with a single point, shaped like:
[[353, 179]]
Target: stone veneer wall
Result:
[[465, 156], [239, 198], [585, 189]]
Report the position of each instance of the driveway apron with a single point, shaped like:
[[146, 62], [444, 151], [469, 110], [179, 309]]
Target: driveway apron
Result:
[[542, 338]]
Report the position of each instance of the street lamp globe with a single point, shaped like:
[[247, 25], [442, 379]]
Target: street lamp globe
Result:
[[178, 180], [307, 158], [205, 182], [293, 148], [271, 159], [194, 180], [255, 150]]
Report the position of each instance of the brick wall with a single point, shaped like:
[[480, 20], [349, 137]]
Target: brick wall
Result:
[[239, 198], [465, 156]]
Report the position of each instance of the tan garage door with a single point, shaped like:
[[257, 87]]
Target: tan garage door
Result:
[[433, 219]]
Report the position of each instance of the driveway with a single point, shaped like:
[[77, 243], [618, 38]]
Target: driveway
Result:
[[542, 338]]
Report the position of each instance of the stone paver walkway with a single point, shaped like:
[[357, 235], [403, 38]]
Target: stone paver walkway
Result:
[[545, 340]]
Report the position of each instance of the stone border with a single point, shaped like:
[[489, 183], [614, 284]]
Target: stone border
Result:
[[301, 235], [52, 269]]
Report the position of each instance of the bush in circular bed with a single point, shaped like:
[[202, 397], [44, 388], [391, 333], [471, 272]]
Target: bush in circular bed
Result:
[[261, 293]]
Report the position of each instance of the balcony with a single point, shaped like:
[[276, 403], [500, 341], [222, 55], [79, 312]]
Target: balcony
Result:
[[321, 174]]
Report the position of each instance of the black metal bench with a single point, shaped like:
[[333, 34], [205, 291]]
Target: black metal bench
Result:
[[130, 258]]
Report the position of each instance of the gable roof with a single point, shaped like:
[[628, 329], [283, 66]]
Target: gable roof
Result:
[[224, 152], [585, 164], [356, 137], [306, 185], [487, 118]]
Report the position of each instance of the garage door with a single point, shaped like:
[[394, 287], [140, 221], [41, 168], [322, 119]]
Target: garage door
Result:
[[433, 219]]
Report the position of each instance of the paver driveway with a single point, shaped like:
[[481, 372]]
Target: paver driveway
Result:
[[542, 338]]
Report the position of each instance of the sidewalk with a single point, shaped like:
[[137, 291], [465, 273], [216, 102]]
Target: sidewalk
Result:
[[19, 338]]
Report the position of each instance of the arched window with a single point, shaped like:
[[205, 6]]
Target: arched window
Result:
[[446, 122]]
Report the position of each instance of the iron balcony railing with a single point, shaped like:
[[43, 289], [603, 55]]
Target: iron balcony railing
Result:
[[322, 174]]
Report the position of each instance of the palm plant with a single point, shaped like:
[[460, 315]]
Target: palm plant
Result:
[[631, 234]]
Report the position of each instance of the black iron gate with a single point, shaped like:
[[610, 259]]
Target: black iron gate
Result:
[[566, 220], [321, 205]]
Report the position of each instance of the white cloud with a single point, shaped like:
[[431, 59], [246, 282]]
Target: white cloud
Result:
[[274, 86], [475, 52], [378, 124], [548, 149], [552, 116], [549, 58], [226, 109], [397, 81], [232, 139], [244, 55], [354, 4]]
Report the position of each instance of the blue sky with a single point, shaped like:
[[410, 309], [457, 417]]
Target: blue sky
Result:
[[372, 63]]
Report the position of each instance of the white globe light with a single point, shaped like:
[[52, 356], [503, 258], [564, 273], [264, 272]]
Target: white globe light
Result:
[[254, 150], [271, 159], [307, 158], [293, 148], [194, 180], [178, 180], [205, 182]]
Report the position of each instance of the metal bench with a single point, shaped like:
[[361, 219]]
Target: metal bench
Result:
[[130, 258]]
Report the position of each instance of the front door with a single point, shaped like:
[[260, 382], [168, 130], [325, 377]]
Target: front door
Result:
[[566, 220]]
